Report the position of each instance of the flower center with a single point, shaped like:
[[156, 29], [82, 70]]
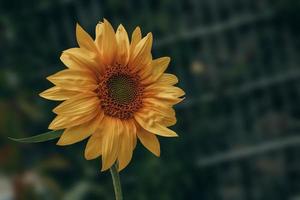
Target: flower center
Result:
[[122, 88], [120, 92]]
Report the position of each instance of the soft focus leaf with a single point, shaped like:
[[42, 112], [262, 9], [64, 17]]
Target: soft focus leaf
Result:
[[39, 138]]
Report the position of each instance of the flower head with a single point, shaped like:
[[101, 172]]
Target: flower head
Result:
[[113, 93]]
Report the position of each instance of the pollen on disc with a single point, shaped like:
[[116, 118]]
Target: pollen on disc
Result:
[[122, 88], [120, 92]]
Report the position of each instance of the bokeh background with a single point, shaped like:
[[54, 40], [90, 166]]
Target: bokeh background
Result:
[[237, 60]]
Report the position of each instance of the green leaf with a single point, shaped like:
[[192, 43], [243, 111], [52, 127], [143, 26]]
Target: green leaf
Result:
[[39, 138]]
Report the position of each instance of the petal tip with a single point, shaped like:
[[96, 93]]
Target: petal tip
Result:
[[106, 22], [168, 59], [88, 157], [104, 168], [52, 126], [78, 29], [149, 37], [42, 94], [77, 26], [121, 27], [157, 154], [60, 142], [137, 31]]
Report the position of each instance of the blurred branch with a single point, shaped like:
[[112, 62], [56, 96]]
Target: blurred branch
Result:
[[245, 88], [249, 151], [213, 29]]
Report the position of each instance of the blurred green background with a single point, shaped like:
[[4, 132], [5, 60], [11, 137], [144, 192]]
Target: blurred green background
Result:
[[237, 60]]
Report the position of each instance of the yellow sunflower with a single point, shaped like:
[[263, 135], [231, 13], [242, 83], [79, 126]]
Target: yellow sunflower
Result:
[[113, 93]]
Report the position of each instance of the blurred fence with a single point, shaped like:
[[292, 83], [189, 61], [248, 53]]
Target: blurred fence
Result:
[[238, 61]]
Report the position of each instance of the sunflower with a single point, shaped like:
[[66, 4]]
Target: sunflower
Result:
[[113, 93]]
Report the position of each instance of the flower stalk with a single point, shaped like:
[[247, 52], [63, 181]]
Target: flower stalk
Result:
[[116, 182]]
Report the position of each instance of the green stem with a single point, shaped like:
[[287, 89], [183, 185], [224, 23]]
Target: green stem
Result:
[[116, 181]]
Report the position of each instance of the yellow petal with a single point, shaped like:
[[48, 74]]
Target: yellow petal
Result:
[[93, 148], [84, 39], [74, 80], [126, 144], [82, 53], [111, 130], [99, 36], [73, 75], [99, 29], [158, 66], [141, 56], [134, 142], [57, 94], [159, 105], [165, 114], [62, 122], [82, 104], [167, 79], [148, 120], [135, 39], [123, 46], [132, 127], [98, 43], [169, 94], [80, 132], [109, 44], [167, 120], [73, 135], [149, 140], [69, 62], [81, 59]]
